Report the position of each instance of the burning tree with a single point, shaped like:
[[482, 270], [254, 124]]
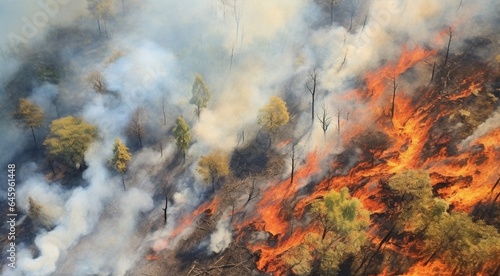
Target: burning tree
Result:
[[464, 245], [416, 206], [29, 115], [120, 159], [201, 94], [213, 166], [344, 223]]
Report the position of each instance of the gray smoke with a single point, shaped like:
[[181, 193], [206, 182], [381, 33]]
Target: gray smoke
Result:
[[265, 48]]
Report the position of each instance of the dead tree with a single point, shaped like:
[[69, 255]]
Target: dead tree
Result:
[[365, 21], [165, 209], [96, 81], [252, 192], [343, 61], [324, 120], [163, 111], [395, 87], [450, 33], [311, 87], [433, 72], [136, 127], [338, 125]]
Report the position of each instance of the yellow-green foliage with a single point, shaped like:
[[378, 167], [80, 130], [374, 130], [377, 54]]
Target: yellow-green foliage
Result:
[[69, 138], [462, 243], [274, 114], [182, 135], [121, 156], [201, 94], [213, 166], [418, 207], [28, 114], [344, 223]]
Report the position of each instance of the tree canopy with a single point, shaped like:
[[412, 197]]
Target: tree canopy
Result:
[[416, 205], [274, 114], [69, 138], [213, 166], [121, 156], [182, 135], [201, 94], [462, 244], [344, 222], [29, 115]]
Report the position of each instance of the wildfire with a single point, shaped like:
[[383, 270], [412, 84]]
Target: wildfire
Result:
[[465, 176]]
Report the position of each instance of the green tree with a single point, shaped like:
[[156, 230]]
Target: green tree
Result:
[[69, 138], [274, 114], [416, 206], [182, 135], [344, 224], [466, 246], [201, 94], [101, 10], [29, 115], [213, 166], [121, 157]]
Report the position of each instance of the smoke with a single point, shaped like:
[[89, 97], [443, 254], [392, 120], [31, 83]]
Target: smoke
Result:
[[222, 237], [493, 122], [246, 52]]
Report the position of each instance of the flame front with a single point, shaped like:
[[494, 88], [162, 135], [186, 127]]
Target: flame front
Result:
[[465, 176]]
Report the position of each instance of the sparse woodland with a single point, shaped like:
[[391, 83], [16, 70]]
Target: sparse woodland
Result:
[[272, 138]]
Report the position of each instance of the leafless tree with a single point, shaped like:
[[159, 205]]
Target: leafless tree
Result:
[[136, 126], [395, 87], [96, 81], [324, 120], [253, 192], [450, 33], [344, 60], [292, 159], [311, 86]]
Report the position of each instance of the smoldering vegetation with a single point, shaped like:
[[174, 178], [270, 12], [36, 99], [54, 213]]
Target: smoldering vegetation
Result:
[[131, 73]]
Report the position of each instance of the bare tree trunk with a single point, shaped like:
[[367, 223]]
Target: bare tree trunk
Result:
[[433, 71], [393, 96], [343, 61], [123, 8], [123, 182], [106, 28], [312, 90], [34, 138], [99, 26], [165, 209], [163, 110], [448, 48]]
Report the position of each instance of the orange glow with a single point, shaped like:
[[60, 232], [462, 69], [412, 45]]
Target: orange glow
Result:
[[470, 176]]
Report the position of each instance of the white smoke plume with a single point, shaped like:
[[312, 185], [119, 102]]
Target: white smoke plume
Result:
[[247, 54], [223, 236]]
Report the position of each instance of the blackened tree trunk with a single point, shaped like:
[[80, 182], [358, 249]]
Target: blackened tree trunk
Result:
[[34, 138], [448, 48]]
